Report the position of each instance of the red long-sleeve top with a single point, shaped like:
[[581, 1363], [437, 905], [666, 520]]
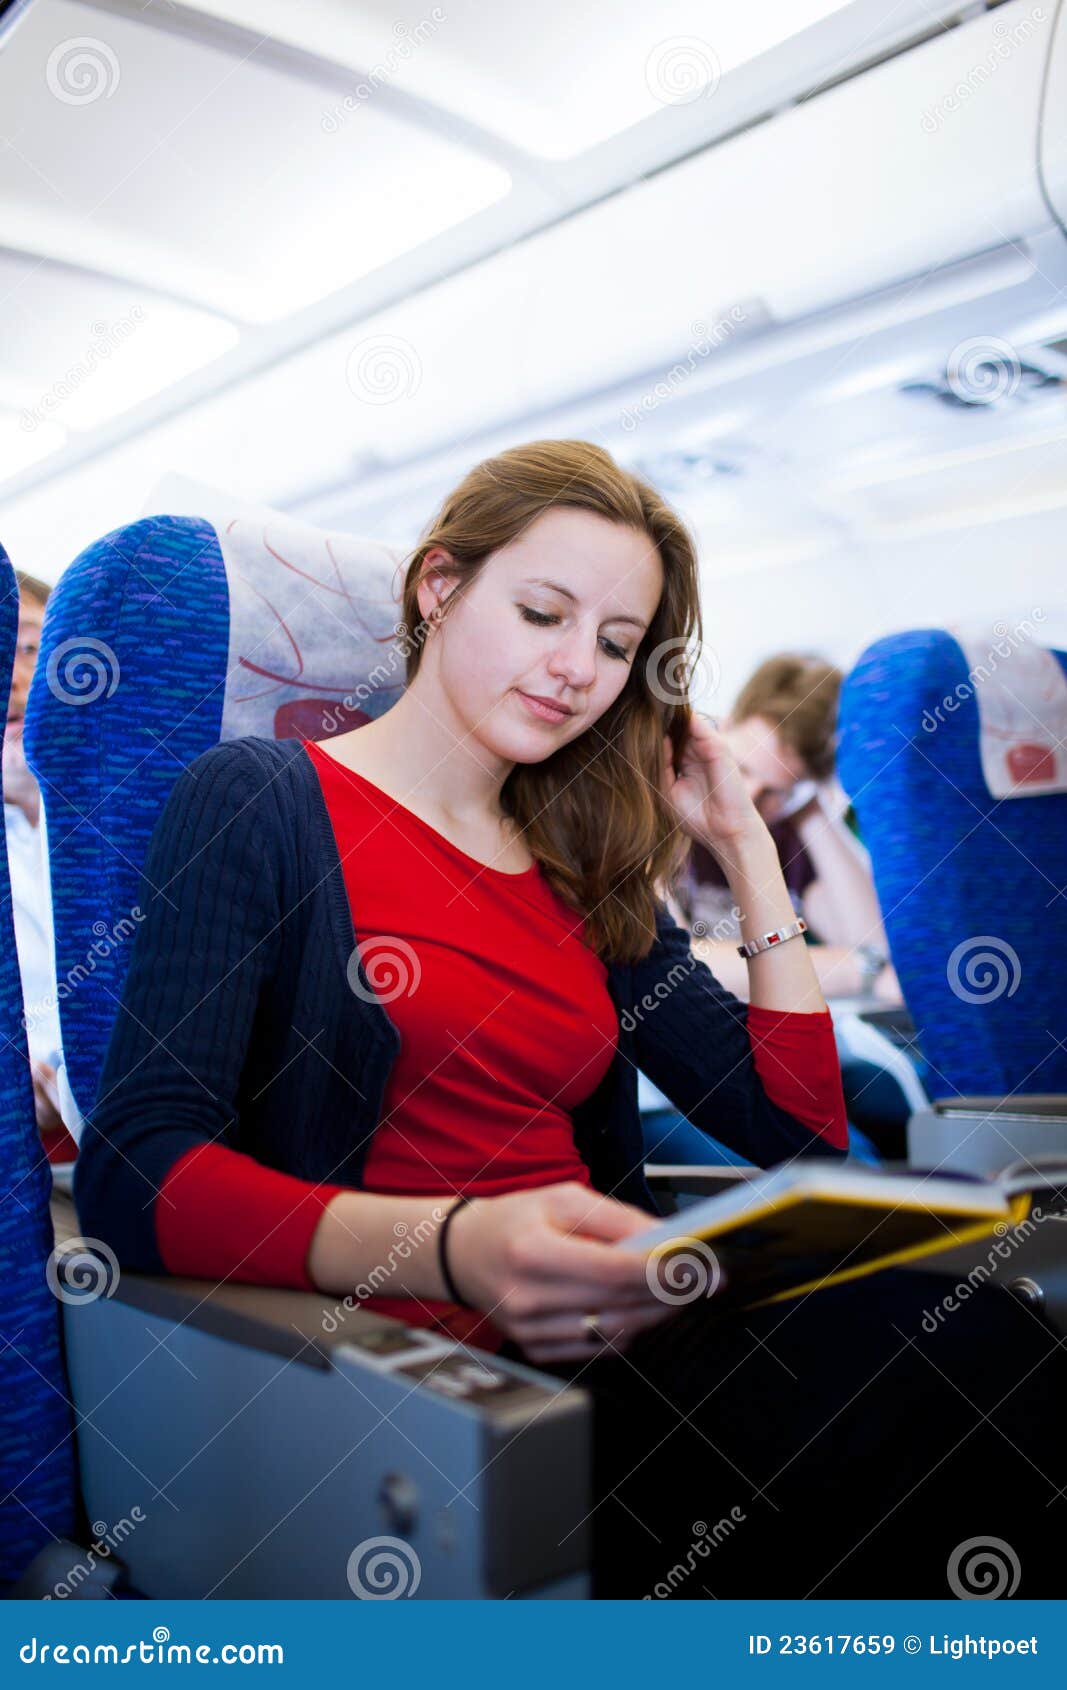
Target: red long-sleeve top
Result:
[[505, 1024]]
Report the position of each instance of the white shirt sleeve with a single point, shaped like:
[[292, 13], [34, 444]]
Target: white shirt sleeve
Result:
[[68, 1108], [31, 909]]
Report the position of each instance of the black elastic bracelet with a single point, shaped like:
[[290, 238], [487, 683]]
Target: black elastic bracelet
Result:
[[442, 1255]]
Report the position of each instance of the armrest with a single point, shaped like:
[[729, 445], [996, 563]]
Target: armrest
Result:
[[396, 1422], [300, 1325], [1032, 1105], [982, 1135]]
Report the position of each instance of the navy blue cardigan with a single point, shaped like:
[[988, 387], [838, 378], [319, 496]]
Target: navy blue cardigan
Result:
[[238, 1025]]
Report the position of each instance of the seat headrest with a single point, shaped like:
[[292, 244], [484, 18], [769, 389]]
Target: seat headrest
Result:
[[1021, 692], [990, 710], [313, 620]]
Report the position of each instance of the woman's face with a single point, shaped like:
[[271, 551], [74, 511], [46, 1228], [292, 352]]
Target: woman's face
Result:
[[558, 615], [771, 771]]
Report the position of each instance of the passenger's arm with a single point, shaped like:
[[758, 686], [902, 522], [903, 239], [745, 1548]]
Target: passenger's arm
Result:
[[783, 977], [764, 1081], [533, 1261], [841, 903], [536, 1262]]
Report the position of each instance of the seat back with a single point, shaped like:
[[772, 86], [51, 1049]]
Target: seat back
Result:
[[161, 639], [36, 1424], [972, 887]]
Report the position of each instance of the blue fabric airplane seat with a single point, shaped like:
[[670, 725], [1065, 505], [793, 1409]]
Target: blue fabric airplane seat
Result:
[[160, 640], [37, 1496], [973, 886]]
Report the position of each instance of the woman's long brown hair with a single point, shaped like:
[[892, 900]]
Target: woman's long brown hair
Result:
[[592, 814]]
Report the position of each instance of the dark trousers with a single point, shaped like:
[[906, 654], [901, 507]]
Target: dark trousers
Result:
[[834, 1446]]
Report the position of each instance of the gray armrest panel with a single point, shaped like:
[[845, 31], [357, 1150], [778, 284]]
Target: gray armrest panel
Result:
[[984, 1135], [1035, 1105], [292, 1324]]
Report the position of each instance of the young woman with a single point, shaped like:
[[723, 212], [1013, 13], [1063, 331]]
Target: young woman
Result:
[[399, 986]]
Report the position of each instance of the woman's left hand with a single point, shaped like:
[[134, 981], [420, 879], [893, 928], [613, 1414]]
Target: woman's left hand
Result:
[[707, 791]]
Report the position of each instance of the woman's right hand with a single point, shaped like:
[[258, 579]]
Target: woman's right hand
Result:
[[537, 1261]]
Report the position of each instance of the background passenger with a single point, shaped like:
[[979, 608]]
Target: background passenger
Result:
[[782, 731], [29, 883]]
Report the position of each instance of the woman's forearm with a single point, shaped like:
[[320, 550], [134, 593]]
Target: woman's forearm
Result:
[[387, 1243], [781, 978]]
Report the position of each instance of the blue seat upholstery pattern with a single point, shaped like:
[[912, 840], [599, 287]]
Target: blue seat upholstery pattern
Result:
[[159, 640], [128, 689], [37, 1498], [973, 889]]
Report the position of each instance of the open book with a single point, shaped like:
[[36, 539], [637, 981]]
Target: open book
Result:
[[768, 1235]]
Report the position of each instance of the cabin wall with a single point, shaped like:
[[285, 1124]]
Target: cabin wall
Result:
[[839, 602]]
